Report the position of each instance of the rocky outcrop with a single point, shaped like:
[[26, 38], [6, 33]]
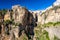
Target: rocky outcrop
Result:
[[18, 13], [53, 31], [50, 15], [24, 20], [7, 16]]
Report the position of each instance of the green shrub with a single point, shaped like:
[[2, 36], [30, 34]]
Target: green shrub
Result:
[[57, 23], [24, 38], [48, 24], [51, 24], [43, 36], [9, 22]]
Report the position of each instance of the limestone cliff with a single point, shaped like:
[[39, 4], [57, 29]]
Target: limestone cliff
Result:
[[50, 15]]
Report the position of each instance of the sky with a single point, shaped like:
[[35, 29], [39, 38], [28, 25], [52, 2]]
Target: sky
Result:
[[29, 4]]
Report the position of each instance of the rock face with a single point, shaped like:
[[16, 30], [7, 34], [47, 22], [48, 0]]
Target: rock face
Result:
[[1, 19], [23, 20], [18, 13], [53, 16], [50, 15], [53, 31], [26, 21], [7, 16]]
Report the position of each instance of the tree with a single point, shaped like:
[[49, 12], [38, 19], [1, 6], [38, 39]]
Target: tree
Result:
[[4, 12]]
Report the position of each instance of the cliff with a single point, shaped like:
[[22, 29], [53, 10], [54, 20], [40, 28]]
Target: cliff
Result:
[[50, 15]]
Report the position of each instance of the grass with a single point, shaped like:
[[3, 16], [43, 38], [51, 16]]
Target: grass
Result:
[[51, 24], [48, 24], [43, 35]]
